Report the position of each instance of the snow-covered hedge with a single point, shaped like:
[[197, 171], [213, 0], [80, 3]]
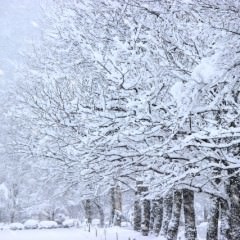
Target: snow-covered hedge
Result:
[[31, 224], [16, 226], [47, 225]]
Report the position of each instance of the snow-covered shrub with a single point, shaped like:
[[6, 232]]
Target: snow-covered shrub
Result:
[[70, 223], [60, 218], [31, 224], [47, 225], [16, 226], [3, 226]]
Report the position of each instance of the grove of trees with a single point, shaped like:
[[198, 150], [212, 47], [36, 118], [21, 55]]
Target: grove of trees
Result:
[[136, 100]]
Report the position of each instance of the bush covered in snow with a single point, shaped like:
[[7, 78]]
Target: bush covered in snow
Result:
[[16, 226], [47, 225], [60, 218], [70, 223], [31, 224]]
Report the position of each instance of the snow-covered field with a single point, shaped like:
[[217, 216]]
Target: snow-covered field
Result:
[[71, 234], [76, 234]]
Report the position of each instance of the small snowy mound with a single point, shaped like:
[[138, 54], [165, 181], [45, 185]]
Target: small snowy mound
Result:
[[16, 226], [70, 223], [3, 226], [31, 224], [47, 225]]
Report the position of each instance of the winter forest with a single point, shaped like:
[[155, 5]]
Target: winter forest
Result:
[[124, 118]]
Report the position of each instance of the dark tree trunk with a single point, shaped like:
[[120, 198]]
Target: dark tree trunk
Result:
[[235, 207], [176, 213], [12, 216], [52, 215], [112, 199], [167, 213], [152, 215], [189, 214], [137, 216], [225, 222], [158, 215], [88, 211], [101, 213], [145, 224], [116, 204], [212, 231]]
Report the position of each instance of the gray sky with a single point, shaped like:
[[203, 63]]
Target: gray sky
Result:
[[19, 26]]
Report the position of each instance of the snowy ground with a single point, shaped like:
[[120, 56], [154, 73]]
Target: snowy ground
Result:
[[76, 234], [70, 234]]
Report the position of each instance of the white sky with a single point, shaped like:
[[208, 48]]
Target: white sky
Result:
[[19, 25]]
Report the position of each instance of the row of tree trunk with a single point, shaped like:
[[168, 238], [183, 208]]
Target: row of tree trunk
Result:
[[116, 208], [227, 211], [162, 215], [88, 208]]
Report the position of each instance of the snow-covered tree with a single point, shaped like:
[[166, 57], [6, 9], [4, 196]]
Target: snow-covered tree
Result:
[[125, 90]]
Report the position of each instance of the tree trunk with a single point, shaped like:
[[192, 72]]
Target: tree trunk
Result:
[[12, 216], [116, 203], [152, 215], [235, 207], [176, 213], [167, 213], [112, 199], [212, 231], [189, 214], [146, 206], [137, 216], [88, 211], [225, 222], [118, 206], [101, 214], [158, 216]]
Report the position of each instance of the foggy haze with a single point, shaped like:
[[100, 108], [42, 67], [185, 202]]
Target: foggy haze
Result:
[[19, 27]]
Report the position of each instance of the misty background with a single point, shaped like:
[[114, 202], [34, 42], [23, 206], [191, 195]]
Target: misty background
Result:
[[20, 25]]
